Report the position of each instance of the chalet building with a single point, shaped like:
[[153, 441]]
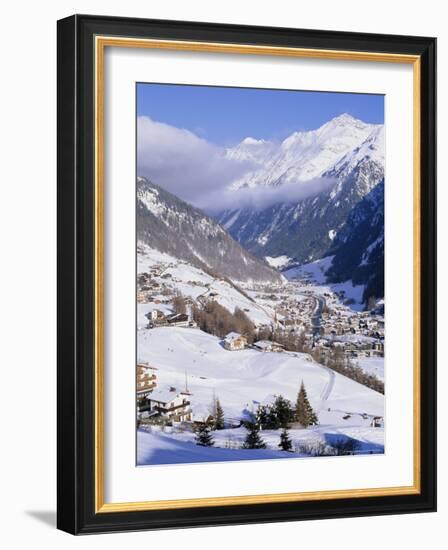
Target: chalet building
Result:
[[171, 404], [268, 346], [157, 316], [178, 320], [146, 380], [234, 341], [200, 414]]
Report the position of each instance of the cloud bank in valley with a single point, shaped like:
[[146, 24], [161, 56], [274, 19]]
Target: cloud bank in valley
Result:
[[200, 173]]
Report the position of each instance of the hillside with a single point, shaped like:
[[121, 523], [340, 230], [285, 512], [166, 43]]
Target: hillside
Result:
[[243, 379], [170, 225]]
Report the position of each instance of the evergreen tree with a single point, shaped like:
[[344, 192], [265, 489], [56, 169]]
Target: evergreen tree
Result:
[[283, 412], [253, 439], [203, 436], [272, 420], [285, 441], [263, 416], [304, 413], [218, 423]]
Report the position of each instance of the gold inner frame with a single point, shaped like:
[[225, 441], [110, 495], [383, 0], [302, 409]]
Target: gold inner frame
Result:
[[101, 42]]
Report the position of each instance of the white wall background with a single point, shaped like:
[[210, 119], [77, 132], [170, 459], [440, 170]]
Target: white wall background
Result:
[[28, 269]]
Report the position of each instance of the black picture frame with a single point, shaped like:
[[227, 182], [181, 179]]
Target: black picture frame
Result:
[[76, 259]]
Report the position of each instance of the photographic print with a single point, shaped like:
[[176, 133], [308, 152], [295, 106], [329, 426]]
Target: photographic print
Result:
[[260, 274], [231, 226]]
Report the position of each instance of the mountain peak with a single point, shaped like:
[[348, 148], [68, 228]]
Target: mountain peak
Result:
[[345, 117], [303, 155], [345, 120]]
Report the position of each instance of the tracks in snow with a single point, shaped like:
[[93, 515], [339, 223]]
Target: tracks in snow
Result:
[[326, 392]]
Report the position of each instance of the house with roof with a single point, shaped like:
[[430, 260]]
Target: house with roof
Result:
[[169, 403], [178, 320], [146, 380], [234, 341], [268, 346], [157, 316], [200, 414]]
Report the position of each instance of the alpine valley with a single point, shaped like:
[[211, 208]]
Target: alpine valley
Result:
[[260, 325], [344, 161]]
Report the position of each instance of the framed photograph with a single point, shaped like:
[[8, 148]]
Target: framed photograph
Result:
[[246, 270]]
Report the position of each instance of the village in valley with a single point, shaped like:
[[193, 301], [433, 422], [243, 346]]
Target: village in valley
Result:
[[232, 371]]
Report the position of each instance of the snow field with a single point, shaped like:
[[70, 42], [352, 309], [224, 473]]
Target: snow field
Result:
[[244, 379]]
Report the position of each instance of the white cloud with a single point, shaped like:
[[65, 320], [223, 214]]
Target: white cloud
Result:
[[184, 164], [262, 197], [199, 172]]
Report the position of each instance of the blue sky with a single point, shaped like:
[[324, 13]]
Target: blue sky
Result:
[[225, 116]]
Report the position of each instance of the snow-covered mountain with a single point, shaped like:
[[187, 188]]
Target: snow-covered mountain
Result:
[[256, 151], [348, 156], [359, 247], [302, 156], [170, 225]]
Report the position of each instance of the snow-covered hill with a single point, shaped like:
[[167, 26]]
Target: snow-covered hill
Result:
[[243, 379], [168, 224], [193, 282]]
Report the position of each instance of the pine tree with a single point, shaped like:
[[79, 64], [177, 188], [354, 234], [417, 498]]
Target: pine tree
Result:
[[218, 416], [253, 439], [263, 416], [304, 413], [285, 441], [203, 436], [283, 412]]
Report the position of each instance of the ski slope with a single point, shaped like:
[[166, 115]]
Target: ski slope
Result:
[[244, 379]]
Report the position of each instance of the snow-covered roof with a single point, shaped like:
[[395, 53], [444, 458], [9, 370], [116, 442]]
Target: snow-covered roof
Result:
[[200, 412], [145, 365], [266, 344], [163, 396], [233, 336], [263, 344]]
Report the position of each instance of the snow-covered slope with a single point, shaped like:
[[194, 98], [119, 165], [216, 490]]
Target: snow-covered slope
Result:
[[358, 249], [168, 224], [302, 156], [256, 151], [316, 274], [190, 281], [244, 379]]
